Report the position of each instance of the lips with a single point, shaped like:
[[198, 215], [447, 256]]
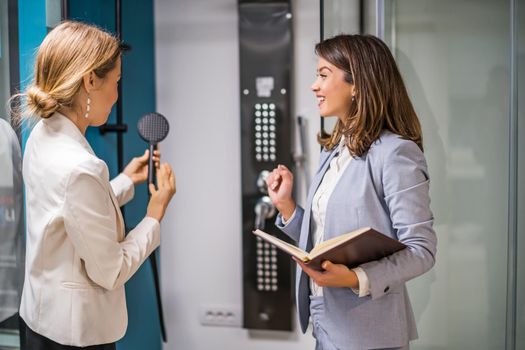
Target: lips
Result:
[[320, 100]]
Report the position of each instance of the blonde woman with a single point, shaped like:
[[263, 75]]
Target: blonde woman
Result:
[[78, 257]]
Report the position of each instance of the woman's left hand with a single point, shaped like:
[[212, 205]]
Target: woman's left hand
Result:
[[137, 169], [334, 275]]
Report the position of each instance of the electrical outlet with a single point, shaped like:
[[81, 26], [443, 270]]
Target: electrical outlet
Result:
[[221, 315]]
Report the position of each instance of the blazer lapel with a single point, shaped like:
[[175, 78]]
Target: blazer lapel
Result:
[[305, 241]]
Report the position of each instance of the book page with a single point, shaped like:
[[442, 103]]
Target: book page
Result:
[[285, 246], [329, 244]]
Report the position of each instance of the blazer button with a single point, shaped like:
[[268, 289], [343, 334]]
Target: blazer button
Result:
[[387, 289]]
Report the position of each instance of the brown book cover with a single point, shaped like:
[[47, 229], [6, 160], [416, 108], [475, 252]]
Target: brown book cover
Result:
[[351, 249]]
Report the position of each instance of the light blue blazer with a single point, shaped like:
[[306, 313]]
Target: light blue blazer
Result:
[[387, 189]]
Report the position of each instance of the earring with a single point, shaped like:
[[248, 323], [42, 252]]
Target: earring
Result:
[[88, 107], [353, 98]]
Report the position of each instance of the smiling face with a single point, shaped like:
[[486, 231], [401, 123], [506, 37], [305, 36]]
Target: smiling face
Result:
[[334, 94]]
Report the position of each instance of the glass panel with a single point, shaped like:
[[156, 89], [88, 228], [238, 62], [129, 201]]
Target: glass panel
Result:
[[11, 200], [53, 13], [4, 58], [454, 58], [520, 41], [340, 17]]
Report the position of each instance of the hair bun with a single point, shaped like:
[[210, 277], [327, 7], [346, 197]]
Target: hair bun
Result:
[[40, 102]]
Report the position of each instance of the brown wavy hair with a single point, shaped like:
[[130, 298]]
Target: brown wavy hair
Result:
[[381, 101]]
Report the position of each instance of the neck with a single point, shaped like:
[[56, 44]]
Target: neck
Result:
[[79, 120]]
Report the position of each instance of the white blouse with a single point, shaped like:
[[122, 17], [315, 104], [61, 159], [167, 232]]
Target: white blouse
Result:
[[338, 164]]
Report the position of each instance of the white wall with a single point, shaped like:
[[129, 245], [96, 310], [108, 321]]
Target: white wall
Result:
[[197, 89]]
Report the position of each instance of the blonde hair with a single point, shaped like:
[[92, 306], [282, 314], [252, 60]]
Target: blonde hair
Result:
[[70, 51]]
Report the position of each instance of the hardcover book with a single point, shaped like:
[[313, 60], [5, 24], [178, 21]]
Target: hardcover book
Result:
[[351, 249]]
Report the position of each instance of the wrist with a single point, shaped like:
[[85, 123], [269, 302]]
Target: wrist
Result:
[[130, 177], [152, 218], [286, 209], [352, 280], [155, 213], [155, 216]]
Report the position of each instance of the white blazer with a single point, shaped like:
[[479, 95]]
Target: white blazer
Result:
[[77, 257]]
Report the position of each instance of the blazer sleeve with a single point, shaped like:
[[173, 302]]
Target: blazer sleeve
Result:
[[406, 194], [123, 188], [293, 227], [91, 223]]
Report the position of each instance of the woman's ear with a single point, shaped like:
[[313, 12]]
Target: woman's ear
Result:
[[88, 82], [354, 91]]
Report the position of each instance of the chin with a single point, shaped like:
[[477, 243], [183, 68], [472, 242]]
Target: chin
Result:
[[323, 112], [97, 123], [326, 114]]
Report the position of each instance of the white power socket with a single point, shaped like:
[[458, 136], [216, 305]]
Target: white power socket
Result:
[[220, 315]]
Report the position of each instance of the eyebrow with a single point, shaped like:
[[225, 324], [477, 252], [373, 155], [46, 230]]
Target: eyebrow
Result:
[[324, 67]]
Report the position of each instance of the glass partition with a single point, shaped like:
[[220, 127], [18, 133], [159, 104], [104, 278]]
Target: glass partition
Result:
[[520, 104], [5, 83], [11, 198], [455, 57], [457, 72], [338, 17]]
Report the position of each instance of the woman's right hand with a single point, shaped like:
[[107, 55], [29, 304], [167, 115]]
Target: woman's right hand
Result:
[[161, 196], [280, 185]]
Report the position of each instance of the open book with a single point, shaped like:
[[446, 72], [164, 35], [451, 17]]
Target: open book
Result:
[[351, 249]]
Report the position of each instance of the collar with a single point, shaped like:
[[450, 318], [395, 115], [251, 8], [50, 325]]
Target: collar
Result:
[[64, 126], [342, 144]]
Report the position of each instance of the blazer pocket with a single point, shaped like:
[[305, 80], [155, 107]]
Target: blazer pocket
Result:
[[388, 314], [80, 286]]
